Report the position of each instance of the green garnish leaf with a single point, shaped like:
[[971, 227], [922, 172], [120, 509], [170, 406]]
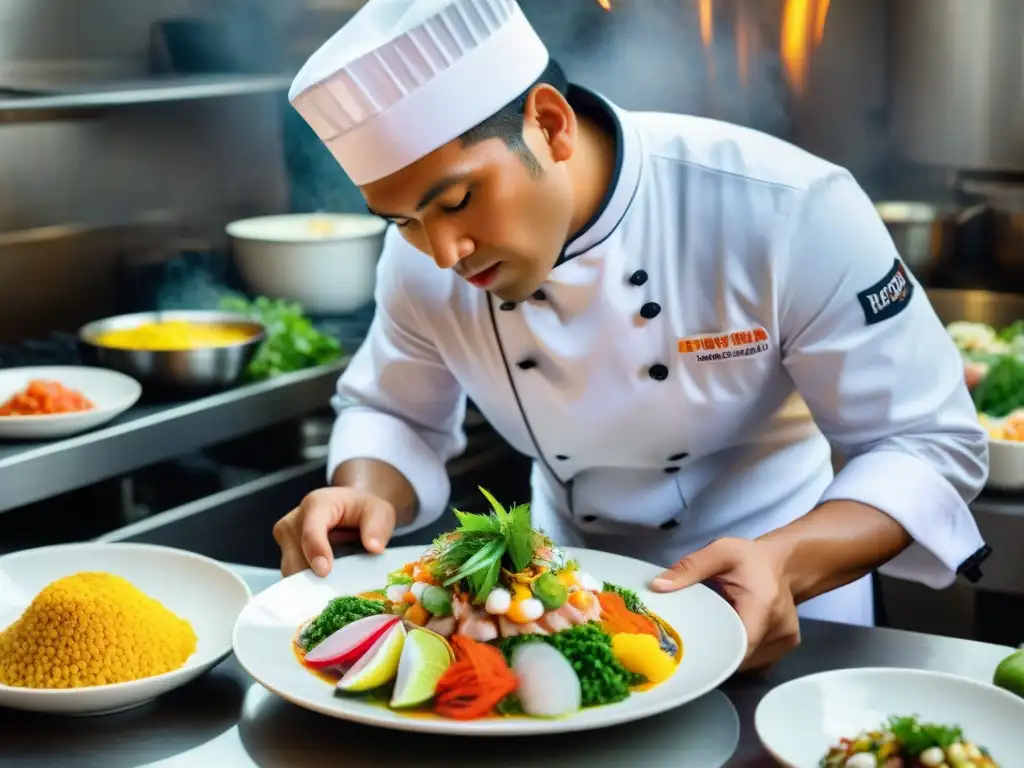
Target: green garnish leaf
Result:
[[292, 343], [472, 522], [916, 737], [398, 577], [519, 537], [484, 558]]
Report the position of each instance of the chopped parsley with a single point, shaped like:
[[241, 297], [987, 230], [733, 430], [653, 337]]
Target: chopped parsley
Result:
[[340, 612]]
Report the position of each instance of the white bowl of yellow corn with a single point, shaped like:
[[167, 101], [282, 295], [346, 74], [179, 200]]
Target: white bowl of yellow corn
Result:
[[93, 628]]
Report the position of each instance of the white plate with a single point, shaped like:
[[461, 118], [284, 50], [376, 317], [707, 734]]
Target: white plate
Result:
[[196, 588], [713, 637], [798, 721], [111, 392]]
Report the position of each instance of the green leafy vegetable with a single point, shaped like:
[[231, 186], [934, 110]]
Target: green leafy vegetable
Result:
[[1002, 389], [1011, 332], [339, 612], [398, 577], [588, 648], [291, 344], [629, 597], [482, 545], [916, 737]]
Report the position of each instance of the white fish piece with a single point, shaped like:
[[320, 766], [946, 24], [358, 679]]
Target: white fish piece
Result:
[[478, 626], [553, 622], [442, 625], [511, 629], [418, 589], [396, 592]]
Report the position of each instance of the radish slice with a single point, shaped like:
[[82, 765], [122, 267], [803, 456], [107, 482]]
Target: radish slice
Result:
[[350, 642]]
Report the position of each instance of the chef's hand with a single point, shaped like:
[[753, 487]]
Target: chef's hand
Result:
[[331, 515], [747, 573]]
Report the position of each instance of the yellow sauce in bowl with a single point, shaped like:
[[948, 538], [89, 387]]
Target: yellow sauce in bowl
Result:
[[174, 335]]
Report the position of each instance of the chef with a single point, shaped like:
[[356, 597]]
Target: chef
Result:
[[678, 319]]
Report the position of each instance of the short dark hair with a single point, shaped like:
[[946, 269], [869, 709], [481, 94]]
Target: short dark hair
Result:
[[507, 123]]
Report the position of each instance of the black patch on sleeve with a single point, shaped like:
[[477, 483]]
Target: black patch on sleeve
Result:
[[888, 297]]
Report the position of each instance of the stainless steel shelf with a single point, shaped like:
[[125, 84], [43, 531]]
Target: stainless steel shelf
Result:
[[148, 434], [47, 102]]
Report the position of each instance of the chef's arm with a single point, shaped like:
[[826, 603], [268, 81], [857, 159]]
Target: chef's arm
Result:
[[382, 480], [885, 385], [835, 544], [400, 409]]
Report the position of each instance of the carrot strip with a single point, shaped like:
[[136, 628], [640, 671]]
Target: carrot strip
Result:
[[617, 618], [472, 686]]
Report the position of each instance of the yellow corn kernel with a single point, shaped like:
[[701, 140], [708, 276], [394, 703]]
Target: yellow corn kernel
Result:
[[92, 629]]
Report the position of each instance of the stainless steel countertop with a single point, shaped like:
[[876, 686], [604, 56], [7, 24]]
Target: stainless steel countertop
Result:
[[150, 433], [225, 720]]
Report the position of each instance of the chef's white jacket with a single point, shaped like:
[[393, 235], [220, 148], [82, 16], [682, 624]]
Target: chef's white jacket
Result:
[[659, 376]]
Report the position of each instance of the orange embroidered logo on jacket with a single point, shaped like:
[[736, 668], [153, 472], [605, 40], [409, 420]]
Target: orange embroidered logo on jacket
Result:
[[725, 346]]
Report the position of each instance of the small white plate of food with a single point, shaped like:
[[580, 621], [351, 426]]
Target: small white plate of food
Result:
[[47, 402], [890, 718], [93, 628], [494, 630]]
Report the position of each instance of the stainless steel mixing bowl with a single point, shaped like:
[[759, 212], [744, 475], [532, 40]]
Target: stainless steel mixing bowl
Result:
[[188, 371]]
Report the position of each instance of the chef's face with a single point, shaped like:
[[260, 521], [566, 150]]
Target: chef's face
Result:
[[496, 215]]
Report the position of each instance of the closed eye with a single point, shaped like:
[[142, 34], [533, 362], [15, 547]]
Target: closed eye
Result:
[[461, 204]]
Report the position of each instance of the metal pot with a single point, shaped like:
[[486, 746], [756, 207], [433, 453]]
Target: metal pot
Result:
[[925, 234]]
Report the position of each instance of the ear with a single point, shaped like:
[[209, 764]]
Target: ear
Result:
[[548, 109]]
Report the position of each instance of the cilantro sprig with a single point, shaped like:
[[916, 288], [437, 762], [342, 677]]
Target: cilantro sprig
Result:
[[475, 553]]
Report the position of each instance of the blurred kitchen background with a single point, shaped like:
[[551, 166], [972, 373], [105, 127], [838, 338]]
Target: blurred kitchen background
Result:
[[132, 133]]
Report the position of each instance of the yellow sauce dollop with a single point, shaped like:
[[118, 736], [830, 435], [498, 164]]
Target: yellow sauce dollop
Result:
[[174, 335]]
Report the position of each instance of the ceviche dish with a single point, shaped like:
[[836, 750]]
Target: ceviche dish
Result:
[[492, 620], [905, 742]]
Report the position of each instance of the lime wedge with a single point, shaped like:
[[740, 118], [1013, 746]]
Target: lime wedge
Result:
[[378, 665], [425, 658], [1010, 673]]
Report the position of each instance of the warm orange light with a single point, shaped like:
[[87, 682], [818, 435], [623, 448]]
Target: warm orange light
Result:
[[819, 21], [743, 48], [803, 29], [707, 22], [606, 4]]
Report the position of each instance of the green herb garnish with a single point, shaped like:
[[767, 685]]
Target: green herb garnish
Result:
[[482, 545], [588, 648], [916, 737], [291, 343], [340, 612]]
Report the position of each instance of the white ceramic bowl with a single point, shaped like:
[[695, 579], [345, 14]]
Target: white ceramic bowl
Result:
[[1006, 465], [798, 721], [111, 392], [325, 261], [199, 589]]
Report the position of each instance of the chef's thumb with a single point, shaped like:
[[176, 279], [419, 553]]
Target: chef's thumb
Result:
[[376, 524], [714, 560]]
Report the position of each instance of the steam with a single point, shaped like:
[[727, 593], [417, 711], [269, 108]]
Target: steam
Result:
[[648, 55]]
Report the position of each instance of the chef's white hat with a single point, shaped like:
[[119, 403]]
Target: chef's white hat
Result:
[[404, 77]]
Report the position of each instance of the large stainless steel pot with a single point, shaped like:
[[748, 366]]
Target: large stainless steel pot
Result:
[[957, 83], [925, 234]]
